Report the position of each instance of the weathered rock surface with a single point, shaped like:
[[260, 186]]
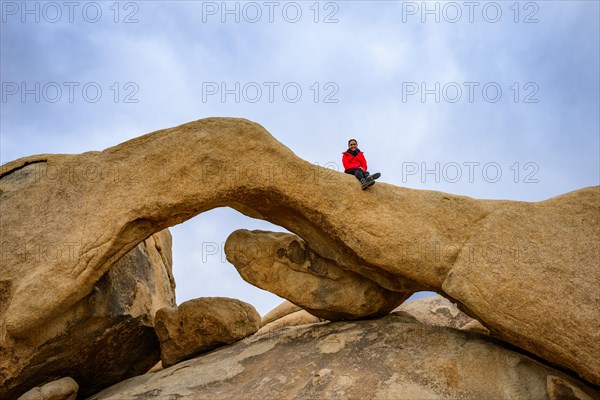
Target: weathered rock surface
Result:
[[439, 311], [528, 271], [199, 325], [104, 338], [390, 358], [475, 326], [434, 310], [280, 311], [296, 318], [157, 367], [282, 264], [61, 389], [561, 389]]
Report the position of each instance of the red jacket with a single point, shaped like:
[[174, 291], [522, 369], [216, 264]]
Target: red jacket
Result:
[[351, 161]]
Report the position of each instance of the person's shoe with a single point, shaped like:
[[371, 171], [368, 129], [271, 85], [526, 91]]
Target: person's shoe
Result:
[[364, 183], [371, 179]]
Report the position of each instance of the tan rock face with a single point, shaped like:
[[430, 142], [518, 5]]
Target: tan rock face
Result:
[[528, 271], [61, 389], [438, 311], [296, 318], [388, 358], [107, 336], [280, 311], [203, 324], [561, 389], [282, 264]]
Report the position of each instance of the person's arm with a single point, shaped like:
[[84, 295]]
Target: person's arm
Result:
[[363, 161], [345, 161]]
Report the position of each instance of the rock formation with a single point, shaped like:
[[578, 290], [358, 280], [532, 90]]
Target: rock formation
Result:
[[282, 264], [527, 271], [199, 325], [283, 309], [439, 311], [296, 318], [434, 310], [104, 338], [393, 357], [61, 389]]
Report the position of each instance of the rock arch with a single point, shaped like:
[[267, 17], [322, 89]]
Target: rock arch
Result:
[[91, 209]]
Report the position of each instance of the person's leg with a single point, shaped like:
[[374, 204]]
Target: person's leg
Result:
[[356, 172], [359, 174], [362, 177]]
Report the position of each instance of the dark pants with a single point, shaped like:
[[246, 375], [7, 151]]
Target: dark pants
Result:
[[358, 173]]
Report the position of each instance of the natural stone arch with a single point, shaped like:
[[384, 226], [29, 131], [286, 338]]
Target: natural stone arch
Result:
[[158, 180], [188, 172]]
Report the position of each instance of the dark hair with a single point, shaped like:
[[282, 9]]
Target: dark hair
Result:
[[352, 140]]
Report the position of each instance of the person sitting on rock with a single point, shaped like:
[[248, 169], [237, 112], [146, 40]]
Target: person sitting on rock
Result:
[[355, 163]]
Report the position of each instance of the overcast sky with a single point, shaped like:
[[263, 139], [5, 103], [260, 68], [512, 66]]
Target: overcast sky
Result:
[[495, 100]]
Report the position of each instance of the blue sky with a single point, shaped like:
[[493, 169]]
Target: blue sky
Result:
[[510, 110]]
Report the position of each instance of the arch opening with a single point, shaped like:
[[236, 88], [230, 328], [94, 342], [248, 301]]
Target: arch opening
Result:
[[200, 267]]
